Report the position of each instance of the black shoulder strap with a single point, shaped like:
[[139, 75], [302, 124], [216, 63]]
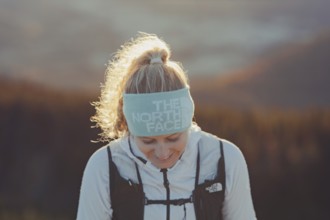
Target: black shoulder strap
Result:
[[197, 167], [127, 198], [208, 198], [113, 172], [222, 168]]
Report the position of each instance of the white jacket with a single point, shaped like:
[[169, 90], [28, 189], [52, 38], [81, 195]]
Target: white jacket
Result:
[[95, 204]]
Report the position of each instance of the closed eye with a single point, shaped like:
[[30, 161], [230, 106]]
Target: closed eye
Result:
[[173, 139], [148, 141]]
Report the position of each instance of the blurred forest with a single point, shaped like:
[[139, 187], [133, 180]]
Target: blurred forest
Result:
[[45, 142]]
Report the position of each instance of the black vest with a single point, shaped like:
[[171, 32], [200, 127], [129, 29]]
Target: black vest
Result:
[[128, 199]]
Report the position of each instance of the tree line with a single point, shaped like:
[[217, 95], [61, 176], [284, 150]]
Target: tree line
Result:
[[45, 143]]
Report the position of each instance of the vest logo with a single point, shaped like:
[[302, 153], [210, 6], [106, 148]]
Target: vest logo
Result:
[[215, 187]]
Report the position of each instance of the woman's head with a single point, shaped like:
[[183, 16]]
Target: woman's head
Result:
[[142, 65]]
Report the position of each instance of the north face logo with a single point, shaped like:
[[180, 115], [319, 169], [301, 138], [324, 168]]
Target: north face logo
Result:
[[215, 187]]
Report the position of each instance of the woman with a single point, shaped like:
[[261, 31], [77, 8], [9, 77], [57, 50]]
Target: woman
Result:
[[158, 163]]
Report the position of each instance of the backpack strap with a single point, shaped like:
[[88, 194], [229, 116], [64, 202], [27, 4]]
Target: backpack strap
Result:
[[197, 167], [222, 170], [124, 193], [221, 166], [208, 197]]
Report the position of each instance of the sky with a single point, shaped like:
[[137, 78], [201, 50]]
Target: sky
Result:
[[68, 43]]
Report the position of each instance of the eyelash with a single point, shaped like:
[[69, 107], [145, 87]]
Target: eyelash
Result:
[[148, 142], [168, 139], [173, 139]]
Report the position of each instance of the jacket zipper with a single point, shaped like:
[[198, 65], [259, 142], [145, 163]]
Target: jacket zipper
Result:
[[167, 187]]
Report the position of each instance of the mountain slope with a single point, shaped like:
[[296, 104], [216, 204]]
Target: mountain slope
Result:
[[295, 77]]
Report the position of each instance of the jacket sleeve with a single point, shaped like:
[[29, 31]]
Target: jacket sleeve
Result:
[[238, 203], [94, 200]]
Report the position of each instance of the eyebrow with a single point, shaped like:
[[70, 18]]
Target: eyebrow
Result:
[[171, 135]]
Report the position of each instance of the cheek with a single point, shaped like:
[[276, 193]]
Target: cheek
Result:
[[145, 149], [180, 146], [148, 152]]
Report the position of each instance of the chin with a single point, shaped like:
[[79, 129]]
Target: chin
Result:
[[164, 165]]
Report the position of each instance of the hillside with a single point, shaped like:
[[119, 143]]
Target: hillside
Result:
[[45, 144], [293, 77]]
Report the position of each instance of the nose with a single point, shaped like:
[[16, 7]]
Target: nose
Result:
[[162, 151]]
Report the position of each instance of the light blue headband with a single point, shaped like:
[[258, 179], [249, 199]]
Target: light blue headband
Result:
[[160, 113]]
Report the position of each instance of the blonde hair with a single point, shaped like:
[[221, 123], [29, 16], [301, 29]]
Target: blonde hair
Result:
[[132, 70]]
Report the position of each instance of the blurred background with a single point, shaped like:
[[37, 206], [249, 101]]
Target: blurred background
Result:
[[259, 72]]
